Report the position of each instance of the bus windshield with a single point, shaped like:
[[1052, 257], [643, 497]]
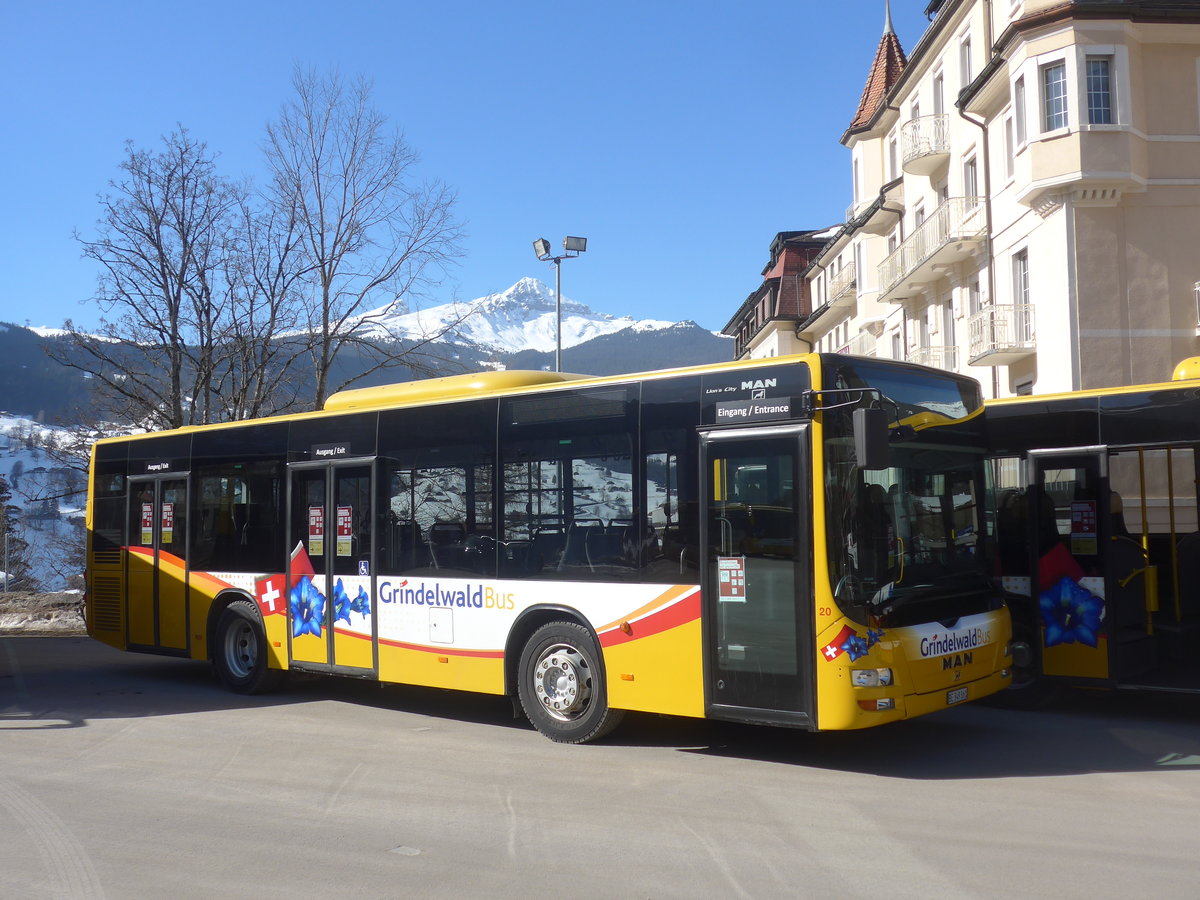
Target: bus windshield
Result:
[[904, 542]]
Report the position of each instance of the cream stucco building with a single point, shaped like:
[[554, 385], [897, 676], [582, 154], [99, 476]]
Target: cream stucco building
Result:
[[1026, 199]]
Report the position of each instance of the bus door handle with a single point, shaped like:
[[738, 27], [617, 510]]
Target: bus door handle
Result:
[[726, 536]]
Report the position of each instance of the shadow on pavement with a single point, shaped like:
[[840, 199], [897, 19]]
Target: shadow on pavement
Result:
[[65, 682]]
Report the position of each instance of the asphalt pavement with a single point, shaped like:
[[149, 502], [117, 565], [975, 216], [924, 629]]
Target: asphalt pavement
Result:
[[129, 776]]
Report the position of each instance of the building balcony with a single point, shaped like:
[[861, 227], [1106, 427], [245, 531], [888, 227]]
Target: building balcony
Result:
[[938, 357], [954, 231], [864, 344], [843, 284], [925, 144], [1001, 335]]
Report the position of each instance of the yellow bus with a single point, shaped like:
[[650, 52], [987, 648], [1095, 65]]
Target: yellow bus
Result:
[[793, 541], [1097, 535]]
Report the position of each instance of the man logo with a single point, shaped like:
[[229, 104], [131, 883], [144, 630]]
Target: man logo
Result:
[[761, 384]]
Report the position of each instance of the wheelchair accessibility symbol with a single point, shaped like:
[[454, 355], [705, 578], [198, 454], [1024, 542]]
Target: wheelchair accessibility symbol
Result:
[[364, 567]]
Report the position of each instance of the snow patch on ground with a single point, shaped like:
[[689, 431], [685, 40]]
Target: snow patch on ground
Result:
[[24, 613]]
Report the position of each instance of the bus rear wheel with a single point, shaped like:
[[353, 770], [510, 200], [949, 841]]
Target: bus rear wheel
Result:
[[240, 651], [561, 685]]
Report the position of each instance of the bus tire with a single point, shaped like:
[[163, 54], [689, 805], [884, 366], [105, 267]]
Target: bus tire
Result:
[[240, 651], [561, 685]]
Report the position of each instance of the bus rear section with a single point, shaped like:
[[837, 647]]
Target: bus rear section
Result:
[[1097, 535]]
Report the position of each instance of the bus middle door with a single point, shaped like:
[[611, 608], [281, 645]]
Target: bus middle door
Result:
[[331, 584]]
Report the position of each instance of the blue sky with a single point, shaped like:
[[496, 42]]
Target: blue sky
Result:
[[678, 137]]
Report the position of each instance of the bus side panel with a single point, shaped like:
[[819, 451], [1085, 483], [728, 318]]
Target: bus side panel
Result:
[[105, 606], [442, 667], [660, 673]]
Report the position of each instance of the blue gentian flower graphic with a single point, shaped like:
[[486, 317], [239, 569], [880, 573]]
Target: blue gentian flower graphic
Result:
[[856, 647], [873, 637], [361, 603], [1070, 613], [307, 606], [341, 602]]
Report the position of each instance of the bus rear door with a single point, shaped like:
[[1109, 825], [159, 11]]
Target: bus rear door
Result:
[[156, 577]]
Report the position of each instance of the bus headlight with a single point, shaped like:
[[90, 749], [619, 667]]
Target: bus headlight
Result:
[[871, 677]]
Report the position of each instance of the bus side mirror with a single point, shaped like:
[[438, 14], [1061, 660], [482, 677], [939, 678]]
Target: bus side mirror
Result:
[[872, 449]]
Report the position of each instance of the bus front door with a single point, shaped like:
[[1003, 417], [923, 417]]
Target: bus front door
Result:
[[331, 584], [156, 574], [755, 537]]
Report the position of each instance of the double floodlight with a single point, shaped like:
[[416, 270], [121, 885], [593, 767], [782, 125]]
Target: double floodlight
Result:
[[572, 246]]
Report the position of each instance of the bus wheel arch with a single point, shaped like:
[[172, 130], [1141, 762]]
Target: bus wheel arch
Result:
[[238, 646], [1030, 688], [555, 668]]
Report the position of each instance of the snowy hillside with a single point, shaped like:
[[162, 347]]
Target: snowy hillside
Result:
[[48, 492], [520, 318]]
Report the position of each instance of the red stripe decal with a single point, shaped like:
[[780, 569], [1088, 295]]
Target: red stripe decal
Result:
[[679, 613]]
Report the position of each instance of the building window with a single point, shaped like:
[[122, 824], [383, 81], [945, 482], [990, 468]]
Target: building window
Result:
[[1054, 96], [1099, 90], [939, 91], [1010, 148], [893, 167], [974, 299], [1020, 272], [1019, 110], [971, 183], [964, 60], [897, 346]]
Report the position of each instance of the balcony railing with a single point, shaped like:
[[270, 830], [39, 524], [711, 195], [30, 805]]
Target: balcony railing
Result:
[[864, 344], [843, 283], [1001, 335], [948, 236], [938, 357], [925, 144]]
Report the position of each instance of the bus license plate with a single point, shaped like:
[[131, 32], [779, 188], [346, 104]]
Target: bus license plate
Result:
[[958, 695]]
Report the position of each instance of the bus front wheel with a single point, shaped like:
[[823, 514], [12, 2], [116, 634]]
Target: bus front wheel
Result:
[[561, 685], [240, 651]]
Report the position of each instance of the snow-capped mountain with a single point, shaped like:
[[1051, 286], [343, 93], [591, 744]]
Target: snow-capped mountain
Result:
[[520, 318]]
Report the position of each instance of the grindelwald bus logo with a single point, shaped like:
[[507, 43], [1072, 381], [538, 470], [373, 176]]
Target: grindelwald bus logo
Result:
[[955, 646]]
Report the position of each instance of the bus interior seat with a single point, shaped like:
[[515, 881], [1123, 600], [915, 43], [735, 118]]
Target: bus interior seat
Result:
[[575, 547], [443, 537]]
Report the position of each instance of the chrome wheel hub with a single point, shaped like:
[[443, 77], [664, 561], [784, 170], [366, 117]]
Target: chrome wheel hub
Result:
[[562, 682]]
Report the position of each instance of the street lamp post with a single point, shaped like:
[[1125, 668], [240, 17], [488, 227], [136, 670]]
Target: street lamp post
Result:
[[572, 247]]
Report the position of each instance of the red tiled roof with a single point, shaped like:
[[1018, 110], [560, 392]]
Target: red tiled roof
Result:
[[885, 72]]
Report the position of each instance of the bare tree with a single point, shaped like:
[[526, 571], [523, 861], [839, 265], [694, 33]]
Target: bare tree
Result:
[[263, 341], [158, 246], [194, 284], [372, 235]]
